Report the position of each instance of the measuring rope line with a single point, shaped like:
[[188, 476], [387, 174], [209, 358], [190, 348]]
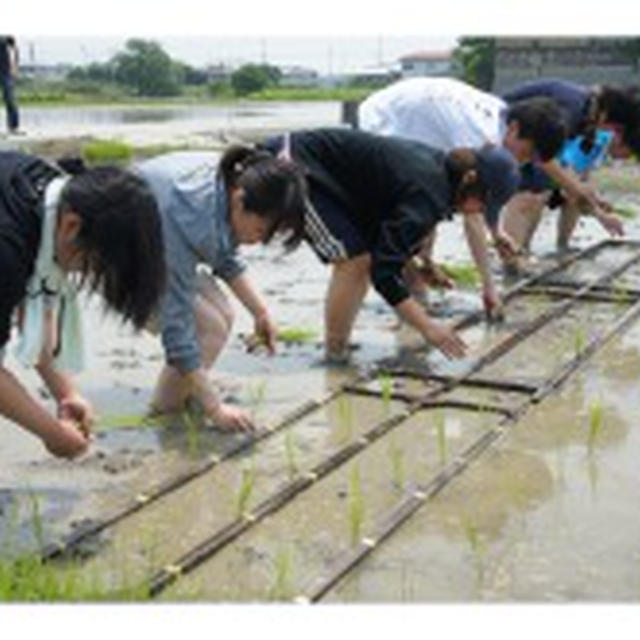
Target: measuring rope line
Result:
[[618, 328], [210, 546], [532, 279], [55, 549], [451, 403], [595, 296], [475, 381], [323, 584], [285, 494], [419, 496]]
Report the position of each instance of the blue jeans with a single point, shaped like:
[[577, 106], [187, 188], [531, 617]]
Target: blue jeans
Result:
[[13, 119]]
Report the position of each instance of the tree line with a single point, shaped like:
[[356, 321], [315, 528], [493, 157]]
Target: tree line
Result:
[[144, 68]]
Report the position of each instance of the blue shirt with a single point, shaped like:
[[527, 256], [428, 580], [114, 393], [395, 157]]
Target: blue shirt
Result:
[[572, 155], [196, 230]]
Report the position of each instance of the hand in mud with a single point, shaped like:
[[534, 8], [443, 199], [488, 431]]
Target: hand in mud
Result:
[[445, 339], [79, 410], [432, 274], [229, 418], [612, 223], [493, 308], [266, 331], [604, 204], [506, 246], [68, 441]]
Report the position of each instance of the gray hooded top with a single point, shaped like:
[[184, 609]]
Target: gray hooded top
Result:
[[195, 225]]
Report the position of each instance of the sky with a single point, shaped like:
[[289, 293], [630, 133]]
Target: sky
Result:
[[326, 54], [328, 35]]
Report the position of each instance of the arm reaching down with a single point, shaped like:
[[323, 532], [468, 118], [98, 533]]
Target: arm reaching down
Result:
[[438, 334], [586, 196], [62, 437], [264, 327], [475, 231]]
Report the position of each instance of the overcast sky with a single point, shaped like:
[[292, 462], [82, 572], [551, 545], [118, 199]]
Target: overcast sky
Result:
[[325, 54]]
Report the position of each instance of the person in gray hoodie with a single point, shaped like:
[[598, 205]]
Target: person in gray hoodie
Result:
[[209, 205]]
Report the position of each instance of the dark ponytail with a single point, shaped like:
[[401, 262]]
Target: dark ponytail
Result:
[[73, 165], [458, 163], [274, 189]]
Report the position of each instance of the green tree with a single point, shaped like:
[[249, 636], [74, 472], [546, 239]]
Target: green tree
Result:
[[476, 56], [631, 47], [251, 78], [146, 69]]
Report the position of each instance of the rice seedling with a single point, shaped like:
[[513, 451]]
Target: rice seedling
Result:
[[256, 398], [463, 274], [477, 548], [281, 588], [441, 434], [626, 211], [24, 577], [595, 424], [471, 533], [345, 418], [193, 432], [36, 520], [247, 485], [107, 151], [290, 454], [356, 505], [396, 455], [296, 335], [115, 421], [384, 380], [579, 341], [620, 294]]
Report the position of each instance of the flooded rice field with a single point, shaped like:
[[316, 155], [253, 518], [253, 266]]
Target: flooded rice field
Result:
[[180, 124], [509, 476]]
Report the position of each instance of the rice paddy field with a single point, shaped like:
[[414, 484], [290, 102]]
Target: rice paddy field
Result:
[[510, 476]]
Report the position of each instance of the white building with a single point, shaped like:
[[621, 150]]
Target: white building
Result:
[[296, 76], [427, 63]]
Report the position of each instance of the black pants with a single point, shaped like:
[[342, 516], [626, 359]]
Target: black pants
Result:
[[13, 118]]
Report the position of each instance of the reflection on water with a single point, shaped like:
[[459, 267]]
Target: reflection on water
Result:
[[214, 115]]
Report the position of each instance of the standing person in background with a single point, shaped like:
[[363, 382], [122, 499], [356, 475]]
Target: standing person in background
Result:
[[8, 74], [446, 113], [210, 205]]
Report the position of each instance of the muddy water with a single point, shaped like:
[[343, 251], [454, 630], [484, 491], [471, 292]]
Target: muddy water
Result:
[[127, 457], [177, 124], [605, 260], [316, 528], [214, 500], [541, 517]]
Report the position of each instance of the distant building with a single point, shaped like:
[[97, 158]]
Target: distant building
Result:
[[590, 60], [295, 76], [47, 73], [218, 73], [371, 76], [427, 63]]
